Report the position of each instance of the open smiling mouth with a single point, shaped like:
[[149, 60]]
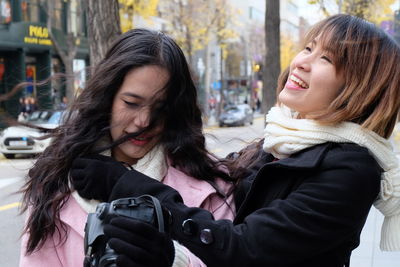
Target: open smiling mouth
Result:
[[298, 81]]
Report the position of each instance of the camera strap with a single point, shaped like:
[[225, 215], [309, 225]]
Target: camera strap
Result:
[[158, 210]]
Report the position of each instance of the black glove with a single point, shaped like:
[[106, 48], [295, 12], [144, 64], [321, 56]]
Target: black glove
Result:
[[94, 176], [138, 243], [135, 184]]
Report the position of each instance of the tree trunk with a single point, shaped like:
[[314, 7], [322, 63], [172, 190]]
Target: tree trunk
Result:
[[271, 68], [103, 27]]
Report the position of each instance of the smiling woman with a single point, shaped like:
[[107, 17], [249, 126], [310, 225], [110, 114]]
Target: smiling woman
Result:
[[313, 81]]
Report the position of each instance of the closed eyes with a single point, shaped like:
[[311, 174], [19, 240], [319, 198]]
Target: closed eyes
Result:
[[131, 104]]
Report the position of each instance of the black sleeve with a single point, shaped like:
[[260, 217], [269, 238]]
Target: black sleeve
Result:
[[325, 210]]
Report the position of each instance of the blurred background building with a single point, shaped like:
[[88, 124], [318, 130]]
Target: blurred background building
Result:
[[27, 52], [223, 40]]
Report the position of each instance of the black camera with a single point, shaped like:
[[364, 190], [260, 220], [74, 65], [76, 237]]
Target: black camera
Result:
[[146, 208]]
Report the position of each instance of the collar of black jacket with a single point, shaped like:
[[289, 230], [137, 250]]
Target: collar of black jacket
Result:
[[304, 159]]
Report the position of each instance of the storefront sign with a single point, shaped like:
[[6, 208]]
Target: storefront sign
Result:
[[37, 35]]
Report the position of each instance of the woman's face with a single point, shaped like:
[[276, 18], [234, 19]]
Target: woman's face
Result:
[[313, 82], [131, 112]]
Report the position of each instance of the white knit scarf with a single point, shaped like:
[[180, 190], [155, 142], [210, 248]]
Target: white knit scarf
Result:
[[285, 135]]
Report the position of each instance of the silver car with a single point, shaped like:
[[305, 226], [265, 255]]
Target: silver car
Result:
[[237, 115], [22, 140]]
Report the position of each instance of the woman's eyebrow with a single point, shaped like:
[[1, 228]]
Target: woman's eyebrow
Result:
[[132, 95], [324, 46], [329, 49]]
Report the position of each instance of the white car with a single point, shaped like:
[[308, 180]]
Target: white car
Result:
[[22, 140]]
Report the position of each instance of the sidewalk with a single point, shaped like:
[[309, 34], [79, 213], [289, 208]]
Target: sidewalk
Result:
[[368, 253]]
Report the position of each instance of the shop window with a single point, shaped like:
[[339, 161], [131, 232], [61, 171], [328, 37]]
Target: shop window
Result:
[[74, 18], [57, 19], [56, 84], [30, 74], [30, 10], [76, 25], [79, 68], [5, 12], [30, 89], [56, 65]]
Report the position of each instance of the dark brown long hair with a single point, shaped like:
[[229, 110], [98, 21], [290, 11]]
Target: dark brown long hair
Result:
[[47, 188]]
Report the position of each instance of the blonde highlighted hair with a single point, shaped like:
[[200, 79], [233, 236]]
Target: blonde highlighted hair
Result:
[[370, 62]]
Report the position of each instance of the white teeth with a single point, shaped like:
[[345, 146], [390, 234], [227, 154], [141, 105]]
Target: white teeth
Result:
[[298, 81]]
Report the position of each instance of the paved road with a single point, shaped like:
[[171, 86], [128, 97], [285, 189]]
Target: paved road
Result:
[[12, 174]]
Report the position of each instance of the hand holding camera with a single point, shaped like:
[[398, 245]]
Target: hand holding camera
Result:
[[128, 232], [139, 244]]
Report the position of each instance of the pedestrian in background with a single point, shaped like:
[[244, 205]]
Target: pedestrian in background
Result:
[[21, 109], [304, 191], [64, 103], [28, 106], [139, 108], [33, 104]]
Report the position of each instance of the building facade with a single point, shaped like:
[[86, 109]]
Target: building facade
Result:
[[27, 53]]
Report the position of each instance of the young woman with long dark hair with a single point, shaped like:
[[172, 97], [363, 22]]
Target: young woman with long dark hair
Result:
[[305, 191], [139, 108]]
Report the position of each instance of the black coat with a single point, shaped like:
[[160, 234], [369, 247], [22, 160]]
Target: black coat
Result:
[[307, 210]]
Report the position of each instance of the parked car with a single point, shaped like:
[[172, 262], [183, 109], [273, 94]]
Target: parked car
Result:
[[237, 115], [22, 140]]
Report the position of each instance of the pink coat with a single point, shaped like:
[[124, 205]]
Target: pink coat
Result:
[[69, 252]]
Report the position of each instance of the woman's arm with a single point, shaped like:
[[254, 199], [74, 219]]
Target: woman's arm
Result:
[[327, 209]]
